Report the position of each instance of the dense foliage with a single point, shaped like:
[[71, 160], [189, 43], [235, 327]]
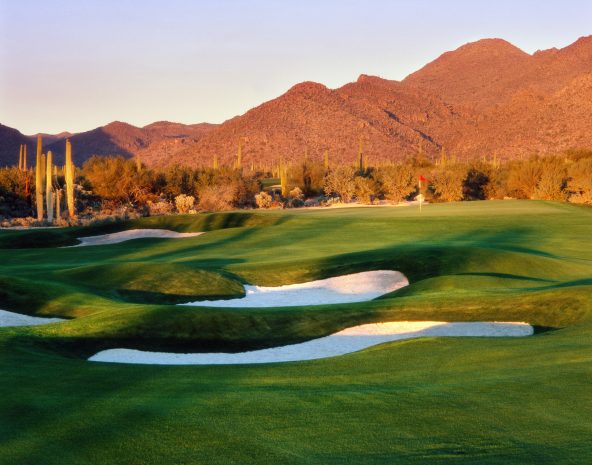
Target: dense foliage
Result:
[[106, 185]]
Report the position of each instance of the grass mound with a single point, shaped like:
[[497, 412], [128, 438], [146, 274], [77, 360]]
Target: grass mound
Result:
[[163, 283]]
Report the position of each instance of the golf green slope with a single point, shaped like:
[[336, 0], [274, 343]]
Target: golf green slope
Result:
[[438, 400]]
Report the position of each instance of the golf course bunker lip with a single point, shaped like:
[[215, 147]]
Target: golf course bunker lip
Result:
[[116, 238], [357, 287], [18, 319], [344, 342]]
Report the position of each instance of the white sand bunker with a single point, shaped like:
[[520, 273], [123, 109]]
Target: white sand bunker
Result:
[[130, 234], [358, 287], [344, 342], [18, 319]]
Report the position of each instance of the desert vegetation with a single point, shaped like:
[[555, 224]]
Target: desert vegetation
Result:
[[112, 186]]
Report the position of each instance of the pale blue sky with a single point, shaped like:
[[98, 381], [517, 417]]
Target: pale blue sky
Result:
[[77, 64]]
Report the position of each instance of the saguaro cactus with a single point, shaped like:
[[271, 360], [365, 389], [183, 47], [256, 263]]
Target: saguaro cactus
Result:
[[24, 157], [326, 160], [361, 156], [215, 162], [58, 202], [20, 166], [39, 176], [70, 180], [284, 179], [239, 155], [48, 187]]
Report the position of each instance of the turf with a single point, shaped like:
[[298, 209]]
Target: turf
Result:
[[486, 401]]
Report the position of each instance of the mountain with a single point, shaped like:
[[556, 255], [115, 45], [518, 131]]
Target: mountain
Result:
[[523, 103], [534, 123], [487, 96], [478, 74], [392, 120], [50, 138], [10, 141], [167, 139], [484, 97], [156, 144], [489, 72], [151, 143]]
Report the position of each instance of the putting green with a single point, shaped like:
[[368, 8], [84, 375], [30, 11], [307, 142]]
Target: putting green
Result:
[[435, 400]]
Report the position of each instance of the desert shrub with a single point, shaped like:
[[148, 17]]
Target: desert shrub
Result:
[[396, 182], [296, 193], [523, 177], [246, 189], [579, 183], [308, 176], [216, 197], [160, 207], [294, 203], [184, 203], [263, 200], [553, 180], [178, 180], [115, 178], [235, 189], [447, 183], [497, 185], [365, 189], [340, 182], [475, 183], [15, 192]]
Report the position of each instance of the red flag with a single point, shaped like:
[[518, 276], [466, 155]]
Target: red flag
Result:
[[422, 179]]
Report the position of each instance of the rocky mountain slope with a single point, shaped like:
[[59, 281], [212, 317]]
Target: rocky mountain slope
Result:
[[485, 97]]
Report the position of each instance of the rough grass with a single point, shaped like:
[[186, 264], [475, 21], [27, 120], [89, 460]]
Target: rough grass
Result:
[[487, 401]]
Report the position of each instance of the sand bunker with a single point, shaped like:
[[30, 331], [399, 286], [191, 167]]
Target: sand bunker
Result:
[[130, 234], [344, 342], [358, 287], [18, 319]]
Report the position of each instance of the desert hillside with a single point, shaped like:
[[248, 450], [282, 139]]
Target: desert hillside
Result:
[[484, 97]]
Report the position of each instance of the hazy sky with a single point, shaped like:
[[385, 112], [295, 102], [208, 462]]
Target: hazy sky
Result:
[[78, 64]]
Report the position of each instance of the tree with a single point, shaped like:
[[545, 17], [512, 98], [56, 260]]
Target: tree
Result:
[[396, 182], [178, 180], [115, 178], [497, 185], [523, 177], [579, 184], [340, 182], [308, 176], [365, 189], [448, 183], [475, 183], [234, 189], [552, 181]]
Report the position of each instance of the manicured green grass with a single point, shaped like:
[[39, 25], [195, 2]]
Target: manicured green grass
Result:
[[486, 401]]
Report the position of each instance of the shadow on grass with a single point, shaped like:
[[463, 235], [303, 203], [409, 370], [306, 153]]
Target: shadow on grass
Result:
[[36, 238], [189, 329], [508, 276]]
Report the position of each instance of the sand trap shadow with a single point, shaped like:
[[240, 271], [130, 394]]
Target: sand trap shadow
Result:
[[344, 342], [116, 238], [357, 287]]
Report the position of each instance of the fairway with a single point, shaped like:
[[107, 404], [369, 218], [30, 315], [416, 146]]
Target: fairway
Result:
[[423, 401]]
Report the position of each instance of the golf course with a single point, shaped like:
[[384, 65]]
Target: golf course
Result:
[[428, 400]]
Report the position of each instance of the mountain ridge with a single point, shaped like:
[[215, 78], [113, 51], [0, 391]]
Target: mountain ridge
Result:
[[486, 96]]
